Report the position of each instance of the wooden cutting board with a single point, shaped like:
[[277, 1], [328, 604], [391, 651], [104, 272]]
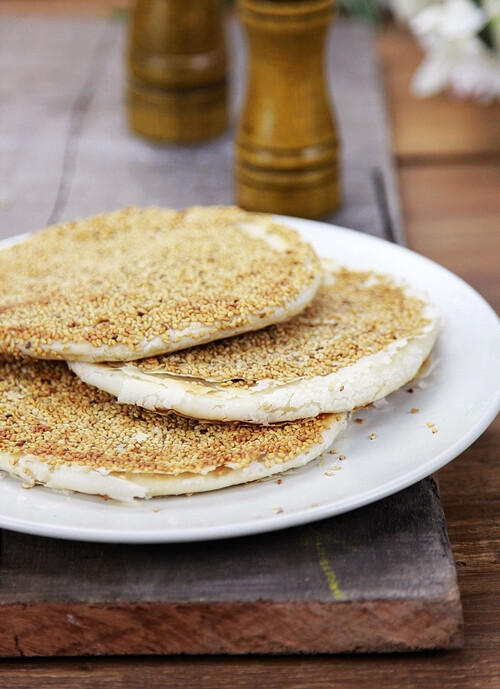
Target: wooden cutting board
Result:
[[381, 578]]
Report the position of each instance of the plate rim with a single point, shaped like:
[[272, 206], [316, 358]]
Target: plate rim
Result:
[[289, 520]]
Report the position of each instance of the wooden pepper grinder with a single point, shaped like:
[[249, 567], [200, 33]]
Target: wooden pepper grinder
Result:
[[177, 87], [286, 144]]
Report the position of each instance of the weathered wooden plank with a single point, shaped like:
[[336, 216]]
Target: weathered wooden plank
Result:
[[46, 71], [378, 579], [473, 216], [369, 550], [467, 481], [381, 578], [69, 153], [465, 670]]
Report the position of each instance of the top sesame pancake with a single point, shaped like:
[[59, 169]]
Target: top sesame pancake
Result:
[[59, 432], [139, 282], [362, 337]]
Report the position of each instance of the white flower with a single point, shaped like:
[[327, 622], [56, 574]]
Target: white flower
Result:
[[451, 20], [456, 57], [404, 10], [465, 66], [477, 78]]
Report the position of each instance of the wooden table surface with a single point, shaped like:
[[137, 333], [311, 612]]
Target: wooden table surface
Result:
[[448, 156]]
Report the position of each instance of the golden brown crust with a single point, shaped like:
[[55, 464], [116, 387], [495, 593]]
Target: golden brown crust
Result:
[[355, 314], [123, 279], [47, 412]]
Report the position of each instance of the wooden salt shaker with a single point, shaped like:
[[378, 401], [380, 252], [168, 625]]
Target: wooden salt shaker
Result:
[[286, 144], [177, 87]]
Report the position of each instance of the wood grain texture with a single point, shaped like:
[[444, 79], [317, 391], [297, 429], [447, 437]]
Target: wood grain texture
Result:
[[177, 70], [469, 493], [438, 129], [453, 217], [378, 579], [58, 8], [69, 152], [287, 150], [426, 670], [243, 628], [471, 503]]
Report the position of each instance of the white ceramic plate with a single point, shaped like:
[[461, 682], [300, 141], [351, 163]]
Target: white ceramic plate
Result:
[[459, 396]]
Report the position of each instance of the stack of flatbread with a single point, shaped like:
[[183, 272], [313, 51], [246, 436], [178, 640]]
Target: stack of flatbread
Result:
[[149, 352]]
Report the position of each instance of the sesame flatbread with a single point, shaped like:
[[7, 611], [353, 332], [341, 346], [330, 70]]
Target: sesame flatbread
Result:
[[362, 337], [59, 432], [138, 282]]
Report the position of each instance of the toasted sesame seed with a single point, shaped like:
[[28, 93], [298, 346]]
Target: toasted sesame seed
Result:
[[122, 279], [48, 412], [354, 314], [372, 436], [414, 410]]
